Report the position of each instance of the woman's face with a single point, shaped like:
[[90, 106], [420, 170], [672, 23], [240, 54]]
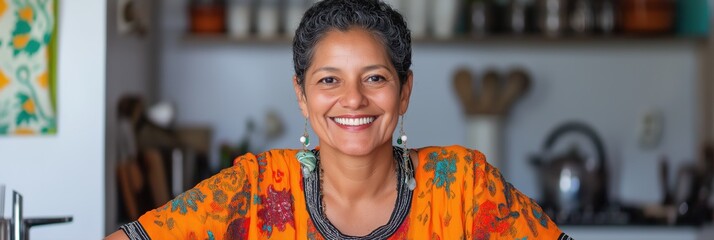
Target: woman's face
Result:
[[352, 95]]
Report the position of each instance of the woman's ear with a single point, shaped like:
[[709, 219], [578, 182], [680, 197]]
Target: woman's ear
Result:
[[300, 94], [406, 93]]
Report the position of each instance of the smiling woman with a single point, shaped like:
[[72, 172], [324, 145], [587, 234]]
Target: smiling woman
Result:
[[352, 94], [353, 81]]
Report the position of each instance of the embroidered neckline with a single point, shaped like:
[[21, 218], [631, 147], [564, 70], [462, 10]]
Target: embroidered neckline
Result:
[[323, 225]]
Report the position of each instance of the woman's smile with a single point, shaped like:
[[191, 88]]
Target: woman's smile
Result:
[[354, 123]]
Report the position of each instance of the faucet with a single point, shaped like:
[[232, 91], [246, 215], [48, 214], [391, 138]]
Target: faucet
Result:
[[19, 226]]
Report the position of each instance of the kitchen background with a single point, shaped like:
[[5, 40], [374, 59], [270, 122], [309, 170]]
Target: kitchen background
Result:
[[216, 84]]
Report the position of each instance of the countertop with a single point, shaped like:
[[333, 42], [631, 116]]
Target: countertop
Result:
[[640, 232]]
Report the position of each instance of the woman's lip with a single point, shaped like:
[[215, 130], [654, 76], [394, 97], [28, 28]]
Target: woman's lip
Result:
[[353, 116]]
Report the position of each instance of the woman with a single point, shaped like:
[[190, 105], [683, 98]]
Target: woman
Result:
[[353, 81]]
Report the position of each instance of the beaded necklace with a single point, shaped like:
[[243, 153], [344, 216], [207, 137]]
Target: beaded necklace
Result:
[[316, 205]]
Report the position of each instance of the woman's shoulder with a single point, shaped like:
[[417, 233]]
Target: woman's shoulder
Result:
[[270, 155], [458, 153], [259, 168], [458, 148], [268, 167], [454, 163], [275, 159]]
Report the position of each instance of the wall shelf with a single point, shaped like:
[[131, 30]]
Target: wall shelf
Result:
[[465, 40]]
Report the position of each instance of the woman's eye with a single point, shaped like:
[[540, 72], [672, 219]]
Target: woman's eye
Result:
[[375, 78], [327, 80]]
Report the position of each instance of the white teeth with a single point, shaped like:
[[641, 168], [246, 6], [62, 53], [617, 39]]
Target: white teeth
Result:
[[354, 121]]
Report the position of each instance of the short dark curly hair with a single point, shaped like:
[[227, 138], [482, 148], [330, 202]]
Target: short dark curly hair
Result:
[[372, 15]]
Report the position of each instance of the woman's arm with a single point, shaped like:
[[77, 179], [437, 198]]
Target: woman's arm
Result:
[[118, 235], [202, 212]]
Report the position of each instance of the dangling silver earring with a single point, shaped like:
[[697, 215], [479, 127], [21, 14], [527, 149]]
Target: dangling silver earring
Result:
[[306, 157], [409, 172]]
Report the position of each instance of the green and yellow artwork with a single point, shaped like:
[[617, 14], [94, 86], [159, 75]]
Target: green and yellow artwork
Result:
[[27, 67]]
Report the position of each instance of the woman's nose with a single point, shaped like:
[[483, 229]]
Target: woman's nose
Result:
[[353, 96]]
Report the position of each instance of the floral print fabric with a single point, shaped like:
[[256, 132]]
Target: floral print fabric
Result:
[[458, 196]]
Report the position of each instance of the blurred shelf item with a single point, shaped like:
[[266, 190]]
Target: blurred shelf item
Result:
[[647, 16], [239, 18], [225, 39], [267, 21], [207, 16], [692, 17]]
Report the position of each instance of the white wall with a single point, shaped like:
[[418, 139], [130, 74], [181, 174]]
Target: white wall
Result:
[[63, 174], [607, 84]]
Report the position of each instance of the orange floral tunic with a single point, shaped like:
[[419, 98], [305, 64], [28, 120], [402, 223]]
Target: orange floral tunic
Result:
[[458, 196]]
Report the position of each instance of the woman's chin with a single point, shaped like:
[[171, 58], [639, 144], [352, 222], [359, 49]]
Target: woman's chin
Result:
[[357, 149]]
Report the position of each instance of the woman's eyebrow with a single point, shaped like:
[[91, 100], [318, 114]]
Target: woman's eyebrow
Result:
[[326, 69], [375, 67], [367, 68]]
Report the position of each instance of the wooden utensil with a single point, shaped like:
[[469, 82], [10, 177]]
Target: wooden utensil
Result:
[[516, 85], [489, 93], [464, 89]]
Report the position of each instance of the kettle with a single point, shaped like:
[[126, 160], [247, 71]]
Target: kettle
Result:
[[568, 185]]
